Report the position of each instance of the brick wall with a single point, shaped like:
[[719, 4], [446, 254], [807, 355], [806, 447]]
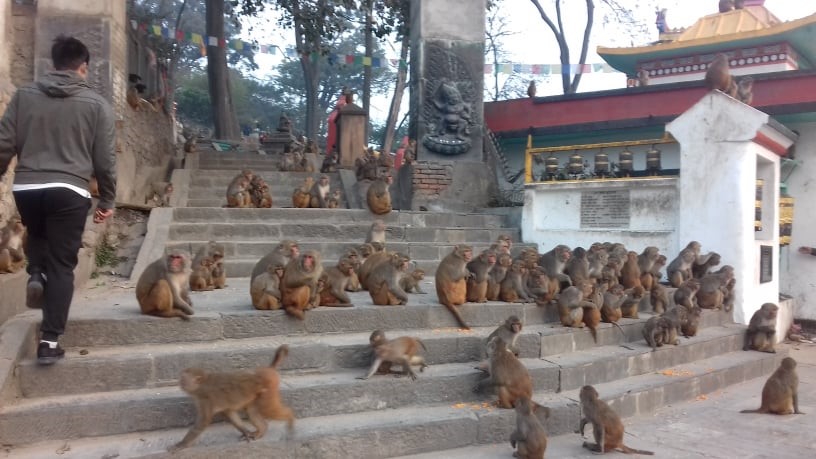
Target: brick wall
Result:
[[431, 178]]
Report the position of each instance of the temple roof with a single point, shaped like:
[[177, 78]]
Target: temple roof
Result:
[[751, 26]]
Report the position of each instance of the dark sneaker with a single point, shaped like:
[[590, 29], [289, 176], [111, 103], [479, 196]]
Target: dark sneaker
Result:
[[46, 355], [34, 291]]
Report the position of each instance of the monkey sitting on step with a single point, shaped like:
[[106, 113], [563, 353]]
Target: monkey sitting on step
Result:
[[163, 288]]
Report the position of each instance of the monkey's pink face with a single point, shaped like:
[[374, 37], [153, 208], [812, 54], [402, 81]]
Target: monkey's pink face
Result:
[[294, 251], [467, 255], [176, 262], [491, 259], [324, 181], [565, 255], [516, 327], [308, 262]]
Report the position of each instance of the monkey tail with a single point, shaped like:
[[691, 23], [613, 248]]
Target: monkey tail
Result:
[[594, 333], [458, 317], [619, 328], [758, 410], [281, 354], [629, 450], [421, 344]]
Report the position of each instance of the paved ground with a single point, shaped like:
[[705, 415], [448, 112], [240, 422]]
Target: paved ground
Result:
[[710, 427]]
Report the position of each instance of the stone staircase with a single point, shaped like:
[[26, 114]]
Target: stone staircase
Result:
[[116, 395]]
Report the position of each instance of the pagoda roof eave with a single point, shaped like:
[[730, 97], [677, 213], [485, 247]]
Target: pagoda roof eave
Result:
[[799, 33]]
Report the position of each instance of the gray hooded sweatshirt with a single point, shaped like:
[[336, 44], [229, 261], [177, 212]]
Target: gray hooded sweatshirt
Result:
[[62, 132]]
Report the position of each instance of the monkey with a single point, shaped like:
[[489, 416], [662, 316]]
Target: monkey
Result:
[[657, 267], [679, 269], [257, 392], [659, 298], [201, 277], [607, 427], [376, 233], [409, 282], [378, 197], [320, 192], [676, 317], [400, 351], [285, 251], [711, 295], [238, 194], [299, 283], [780, 394], [479, 269], [745, 90], [571, 302], [163, 287], [512, 288], [261, 197], [643, 77], [690, 326], [685, 295], [630, 271], [531, 89], [654, 331], [507, 374], [509, 332], [451, 280], [12, 239], [159, 194], [496, 276], [577, 267], [646, 261], [728, 295], [629, 307], [304, 165], [592, 315], [334, 199], [215, 252], [329, 163], [219, 275], [530, 436], [336, 280], [553, 263], [506, 242], [700, 270], [539, 287], [371, 262], [612, 300], [287, 163], [610, 273], [718, 76], [597, 258], [265, 287], [761, 333], [384, 282], [354, 258], [301, 197]]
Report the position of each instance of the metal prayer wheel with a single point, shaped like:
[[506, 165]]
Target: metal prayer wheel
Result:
[[758, 205], [551, 165], [653, 161], [601, 164], [785, 218], [576, 164], [625, 163]]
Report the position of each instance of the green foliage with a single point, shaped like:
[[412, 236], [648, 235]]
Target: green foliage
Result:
[[106, 255]]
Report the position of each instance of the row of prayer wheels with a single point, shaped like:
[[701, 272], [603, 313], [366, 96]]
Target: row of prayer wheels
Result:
[[575, 165]]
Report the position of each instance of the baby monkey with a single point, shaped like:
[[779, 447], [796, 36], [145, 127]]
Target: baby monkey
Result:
[[400, 351]]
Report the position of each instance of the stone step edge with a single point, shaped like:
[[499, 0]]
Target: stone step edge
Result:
[[573, 367], [432, 428]]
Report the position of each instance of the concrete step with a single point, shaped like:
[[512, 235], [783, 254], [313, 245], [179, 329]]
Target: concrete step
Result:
[[153, 366], [377, 432], [279, 230], [220, 178], [338, 216]]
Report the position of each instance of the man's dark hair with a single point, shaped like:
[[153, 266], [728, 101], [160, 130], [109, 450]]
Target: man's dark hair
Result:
[[68, 53]]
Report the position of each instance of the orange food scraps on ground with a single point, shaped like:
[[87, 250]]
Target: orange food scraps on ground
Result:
[[459, 405], [673, 372], [701, 397]]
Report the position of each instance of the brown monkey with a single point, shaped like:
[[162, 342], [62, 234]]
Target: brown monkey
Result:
[[591, 318], [531, 92], [336, 280], [354, 258], [244, 177], [780, 394], [285, 251], [612, 300], [745, 90], [505, 242], [265, 287], [238, 194], [539, 287], [571, 303], [384, 282], [159, 194], [761, 333], [287, 162], [728, 295], [371, 262], [329, 163], [654, 331], [319, 193], [409, 282], [577, 267], [451, 280], [726, 6], [334, 199], [399, 351], [676, 316], [299, 283], [598, 258], [509, 332], [507, 374], [201, 277], [629, 307], [530, 436], [261, 196], [607, 427], [219, 274], [718, 76], [700, 270], [554, 262], [378, 197], [512, 288], [659, 298], [12, 237], [679, 269], [163, 288], [630, 271], [496, 276], [711, 294], [657, 267], [301, 197], [690, 326], [376, 233], [211, 250], [257, 392], [646, 261], [686, 293], [479, 269]]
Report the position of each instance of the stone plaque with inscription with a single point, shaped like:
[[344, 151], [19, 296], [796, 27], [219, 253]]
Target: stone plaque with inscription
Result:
[[765, 264], [605, 209]]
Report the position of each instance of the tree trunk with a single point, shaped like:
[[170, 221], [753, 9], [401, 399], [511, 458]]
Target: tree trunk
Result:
[[399, 90], [369, 46], [224, 117], [576, 80], [311, 77]]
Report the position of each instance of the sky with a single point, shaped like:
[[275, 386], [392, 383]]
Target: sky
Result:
[[533, 42]]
